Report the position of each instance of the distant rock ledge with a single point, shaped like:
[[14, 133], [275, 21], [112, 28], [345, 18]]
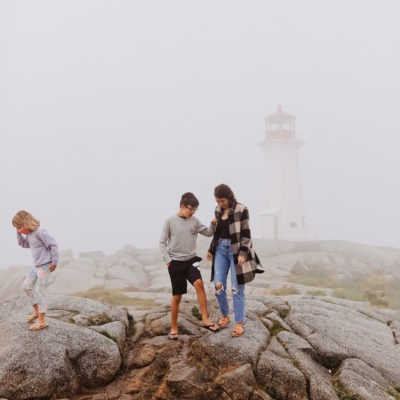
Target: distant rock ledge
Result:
[[297, 347]]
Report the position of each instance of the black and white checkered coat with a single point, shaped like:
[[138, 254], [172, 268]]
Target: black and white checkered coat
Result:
[[239, 229]]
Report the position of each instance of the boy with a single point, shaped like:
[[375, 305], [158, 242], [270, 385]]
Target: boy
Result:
[[178, 251]]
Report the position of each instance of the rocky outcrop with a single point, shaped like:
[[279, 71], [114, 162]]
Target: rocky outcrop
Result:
[[62, 358], [143, 269], [293, 348]]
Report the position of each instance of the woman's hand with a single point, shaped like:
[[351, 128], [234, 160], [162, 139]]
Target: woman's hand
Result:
[[52, 267], [241, 260], [168, 264], [214, 221], [209, 256]]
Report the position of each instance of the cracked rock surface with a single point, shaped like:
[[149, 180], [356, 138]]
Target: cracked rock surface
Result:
[[293, 348]]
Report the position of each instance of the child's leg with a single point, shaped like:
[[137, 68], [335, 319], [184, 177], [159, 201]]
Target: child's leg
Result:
[[201, 298], [179, 287], [29, 284], [176, 299], [43, 274]]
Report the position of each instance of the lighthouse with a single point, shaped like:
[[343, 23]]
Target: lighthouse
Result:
[[282, 215]]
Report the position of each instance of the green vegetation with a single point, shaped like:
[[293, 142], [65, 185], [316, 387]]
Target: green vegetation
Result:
[[116, 297], [395, 393], [162, 369], [106, 334], [276, 328], [132, 325], [296, 364], [196, 313], [342, 393], [332, 362], [313, 279], [99, 319], [285, 290], [371, 287], [273, 393], [316, 293]]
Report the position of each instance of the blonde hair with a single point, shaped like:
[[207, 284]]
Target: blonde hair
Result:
[[26, 220]]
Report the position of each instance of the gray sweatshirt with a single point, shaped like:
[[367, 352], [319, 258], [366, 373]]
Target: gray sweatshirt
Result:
[[43, 246], [178, 238]]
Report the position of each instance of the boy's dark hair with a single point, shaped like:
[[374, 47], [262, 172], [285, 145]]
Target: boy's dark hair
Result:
[[189, 199], [225, 192]]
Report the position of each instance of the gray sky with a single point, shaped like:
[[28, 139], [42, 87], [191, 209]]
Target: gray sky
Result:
[[109, 110]]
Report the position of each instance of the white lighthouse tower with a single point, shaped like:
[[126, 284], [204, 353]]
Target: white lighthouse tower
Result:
[[282, 216]]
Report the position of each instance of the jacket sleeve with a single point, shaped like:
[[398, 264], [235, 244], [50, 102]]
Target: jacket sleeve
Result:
[[245, 235], [22, 241], [212, 244], [51, 244], [164, 238]]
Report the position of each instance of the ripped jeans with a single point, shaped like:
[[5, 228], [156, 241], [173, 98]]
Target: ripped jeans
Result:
[[223, 262]]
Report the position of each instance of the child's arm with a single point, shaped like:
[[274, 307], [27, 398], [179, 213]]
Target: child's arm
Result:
[[206, 231], [165, 233], [22, 241], [51, 244]]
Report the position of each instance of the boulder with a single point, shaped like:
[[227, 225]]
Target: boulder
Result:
[[239, 383], [68, 357], [337, 332], [359, 378], [281, 377], [224, 349]]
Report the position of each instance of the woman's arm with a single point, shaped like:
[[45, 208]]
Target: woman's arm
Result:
[[245, 234], [22, 241]]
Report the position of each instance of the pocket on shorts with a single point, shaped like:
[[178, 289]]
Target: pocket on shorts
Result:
[[170, 266]]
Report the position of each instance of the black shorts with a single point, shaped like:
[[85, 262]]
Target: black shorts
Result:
[[182, 271]]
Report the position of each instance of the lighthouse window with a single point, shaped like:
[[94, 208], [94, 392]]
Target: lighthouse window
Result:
[[293, 225]]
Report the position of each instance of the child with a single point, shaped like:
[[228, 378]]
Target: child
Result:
[[178, 250], [45, 257]]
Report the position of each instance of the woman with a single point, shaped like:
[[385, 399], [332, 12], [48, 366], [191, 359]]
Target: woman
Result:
[[231, 250]]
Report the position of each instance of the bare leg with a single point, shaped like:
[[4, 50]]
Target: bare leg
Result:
[[176, 299], [41, 318], [35, 314], [202, 299]]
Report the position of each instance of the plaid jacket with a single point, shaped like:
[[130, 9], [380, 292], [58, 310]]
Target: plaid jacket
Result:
[[240, 236]]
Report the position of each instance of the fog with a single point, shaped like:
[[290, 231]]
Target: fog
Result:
[[110, 110]]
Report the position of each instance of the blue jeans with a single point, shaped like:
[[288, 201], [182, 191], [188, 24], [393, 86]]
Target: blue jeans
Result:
[[223, 262]]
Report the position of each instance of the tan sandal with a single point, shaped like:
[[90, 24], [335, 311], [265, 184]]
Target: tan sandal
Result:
[[224, 321], [32, 317], [238, 331], [38, 326]]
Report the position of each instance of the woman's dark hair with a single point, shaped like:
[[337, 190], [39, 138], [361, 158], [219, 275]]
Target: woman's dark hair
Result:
[[225, 192], [189, 199]]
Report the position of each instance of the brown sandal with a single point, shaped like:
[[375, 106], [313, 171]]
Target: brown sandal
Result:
[[32, 317], [38, 326], [224, 321], [238, 331], [173, 336]]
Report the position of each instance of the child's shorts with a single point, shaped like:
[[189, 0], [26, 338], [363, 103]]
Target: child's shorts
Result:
[[182, 271]]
